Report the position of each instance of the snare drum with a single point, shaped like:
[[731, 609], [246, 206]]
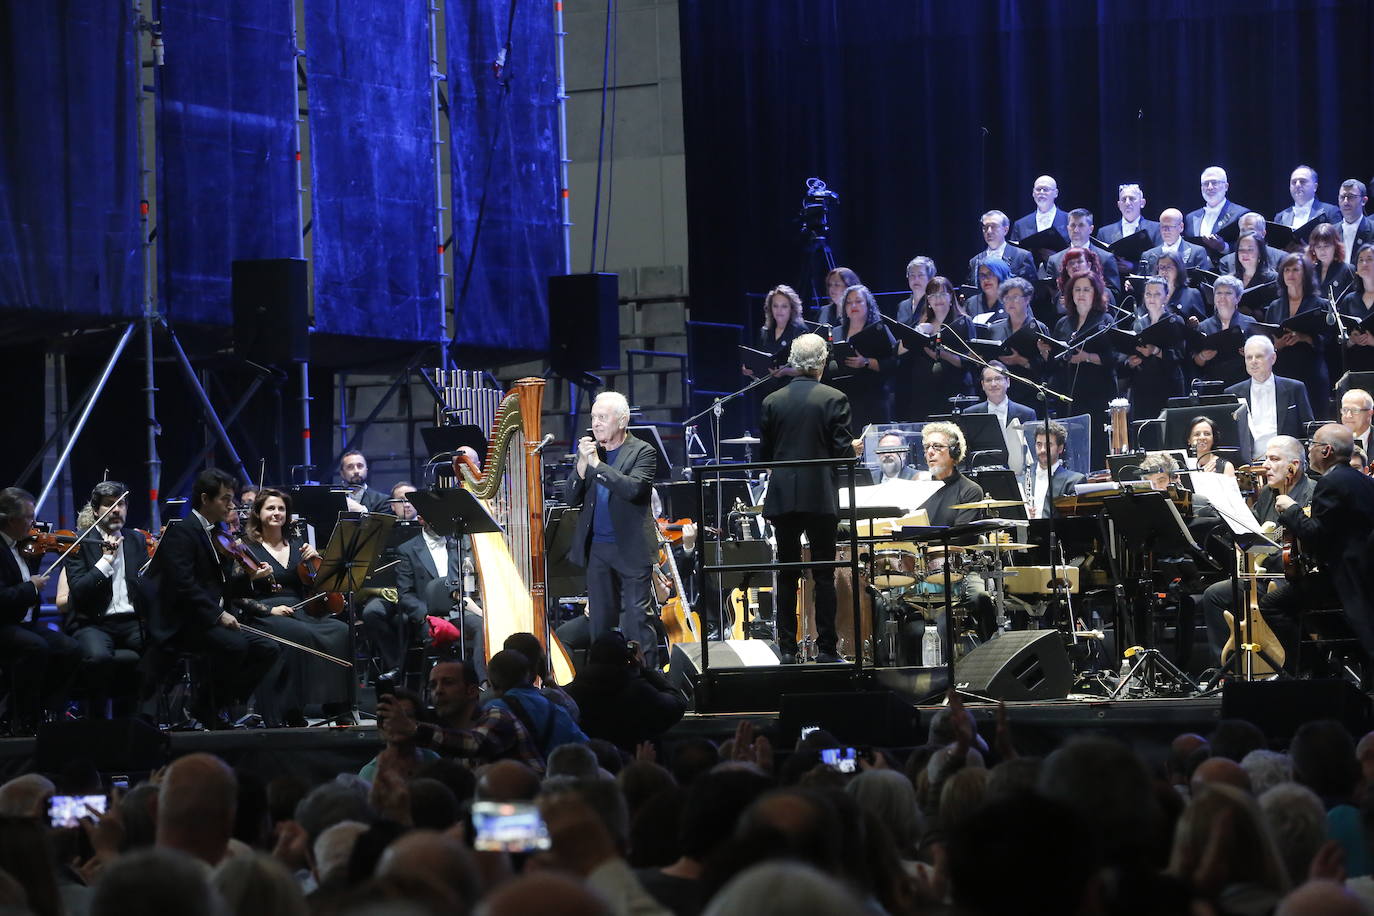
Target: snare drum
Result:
[[893, 564]]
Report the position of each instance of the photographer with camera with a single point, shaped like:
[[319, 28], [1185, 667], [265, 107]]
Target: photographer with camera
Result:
[[623, 699]]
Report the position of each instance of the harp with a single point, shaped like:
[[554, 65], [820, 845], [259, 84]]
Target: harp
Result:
[[510, 563]]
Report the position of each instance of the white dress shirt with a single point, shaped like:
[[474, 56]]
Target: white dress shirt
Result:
[[438, 552], [999, 252], [13, 547], [1045, 220], [1210, 215], [112, 565], [1129, 228], [1264, 415], [1041, 490], [1301, 214], [1348, 233], [999, 411]]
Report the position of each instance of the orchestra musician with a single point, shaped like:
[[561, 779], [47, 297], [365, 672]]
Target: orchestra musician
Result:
[[1356, 407], [994, 383], [106, 598], [805, 420], [616, 539], [40, 661], [1052, 479], [1276, 405], [892, 451], [1336, 533], [298, 679], [1285, 474], [192, 583], [361, 497], [1202, 440]]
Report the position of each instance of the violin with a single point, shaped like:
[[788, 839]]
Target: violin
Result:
[[37, 543], [331, 604], [672, 530], [228, 546]]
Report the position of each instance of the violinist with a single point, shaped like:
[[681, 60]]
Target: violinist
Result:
[[1284, 475], [298, 679], [40, 661], [107, 601], [193, 581]]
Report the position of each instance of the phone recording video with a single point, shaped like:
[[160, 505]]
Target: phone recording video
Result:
[[509, 827], [68, 810], [841, 759]]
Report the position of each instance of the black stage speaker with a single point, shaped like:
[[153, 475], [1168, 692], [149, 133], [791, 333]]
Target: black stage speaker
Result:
[[745, 676], [270, 305], [112, 745], [1280, 707], [871, 717], [1019, 665], [584, 322]]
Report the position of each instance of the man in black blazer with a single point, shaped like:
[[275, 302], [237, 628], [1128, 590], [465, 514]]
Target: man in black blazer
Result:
[[1337, 533], [1302, 187], [190, 615], [1080, 236], [106, 598], [805, 419], [428, 570], [40, 661], [1172, 241], [1045, 192], [1252, 222], [995, 225], [1216, 211], [1355, 228], [1050, 478], [995, 387], [616, 537], [1130, 200], [353, 472], [1276, 406]]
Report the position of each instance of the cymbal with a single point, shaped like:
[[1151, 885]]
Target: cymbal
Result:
[[742, 440], [988, 504], [1007, 545]]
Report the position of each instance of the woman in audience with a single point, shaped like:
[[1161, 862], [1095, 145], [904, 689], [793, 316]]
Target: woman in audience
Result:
[[932, 376], [1359, 303], [992, 273], [866, 379], [1300, 354], [1228, 367], [1182, 299], [1202, 442], [1088, 372], [1157, 372], [1330, 272]]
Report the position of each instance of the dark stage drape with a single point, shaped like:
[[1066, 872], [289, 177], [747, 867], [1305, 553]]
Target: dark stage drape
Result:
[[69, 179], [921, 115], [226, 149], [505, 146], [372, 158]]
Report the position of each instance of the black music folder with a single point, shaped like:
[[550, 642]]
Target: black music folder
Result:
[[1022, 343], [1130, 247], [908, 335], [759, 362], [1162, 334], [1051, 239], [873, 341], [1311, 322], [1227, 340]]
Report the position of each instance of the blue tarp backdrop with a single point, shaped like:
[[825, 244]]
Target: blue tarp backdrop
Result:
[[507, 149], [371, 131], [68, 160], [226, 150]]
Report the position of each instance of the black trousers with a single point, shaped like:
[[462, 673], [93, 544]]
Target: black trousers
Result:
[[820, 533], [392, 628], [618, 596], [110, 649], [42, 663], [298, 679], [237, 661]]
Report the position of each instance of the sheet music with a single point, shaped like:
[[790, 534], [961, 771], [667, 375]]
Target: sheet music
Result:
[[1223, 493], [909, 494]]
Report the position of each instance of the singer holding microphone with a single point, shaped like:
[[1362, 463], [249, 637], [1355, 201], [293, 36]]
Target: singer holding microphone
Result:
[[616, 538]]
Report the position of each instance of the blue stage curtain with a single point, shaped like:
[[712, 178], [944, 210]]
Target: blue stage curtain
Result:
[[507, 148], [372, 158], [924, 114], [69, 175], [226, 150]]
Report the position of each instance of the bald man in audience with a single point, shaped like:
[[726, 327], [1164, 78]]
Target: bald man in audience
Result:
[[196, 804], [1219, 771], [438, 860], [507, 780]]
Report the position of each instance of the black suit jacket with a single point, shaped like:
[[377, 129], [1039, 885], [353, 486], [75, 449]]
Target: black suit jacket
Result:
[[630, 487], [1193, 256], [1363, 234], [1293, 409], [1021, 262], [806, 419], [1285, 216], [1230, 212], [1111, 232], [376, 501], [1015, 411], [1062, 483], [414, 572], [191, 580], [89, 591], [17, 597], [1025, 226]]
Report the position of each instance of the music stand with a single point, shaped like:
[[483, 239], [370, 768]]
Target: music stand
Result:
[[320, 506], [445, 440], [354, 545], [563, 577], [982, 432], [650, 434]]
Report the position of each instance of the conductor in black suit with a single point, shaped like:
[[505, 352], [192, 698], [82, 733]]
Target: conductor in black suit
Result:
[[39, 661], [805, 420], [189, 615], [616, 538], [1338, 531], [106, 598]]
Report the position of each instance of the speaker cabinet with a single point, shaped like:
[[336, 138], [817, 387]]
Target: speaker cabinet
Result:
[[270, 311], [1020, 665], [584, 322]]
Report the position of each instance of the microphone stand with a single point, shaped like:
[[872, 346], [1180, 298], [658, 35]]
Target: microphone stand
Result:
[[1043, 393]]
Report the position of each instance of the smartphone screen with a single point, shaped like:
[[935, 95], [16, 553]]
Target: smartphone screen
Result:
[[68, 810], [509, 827], [842, 759]]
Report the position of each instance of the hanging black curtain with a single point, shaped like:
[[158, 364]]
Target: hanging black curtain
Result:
[[922, 115]]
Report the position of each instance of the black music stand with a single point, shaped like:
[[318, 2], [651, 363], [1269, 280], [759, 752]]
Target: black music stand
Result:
[[1150, 520], [453, 513], [354, 544], [563, 577], [982, 433], [320, 506]]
